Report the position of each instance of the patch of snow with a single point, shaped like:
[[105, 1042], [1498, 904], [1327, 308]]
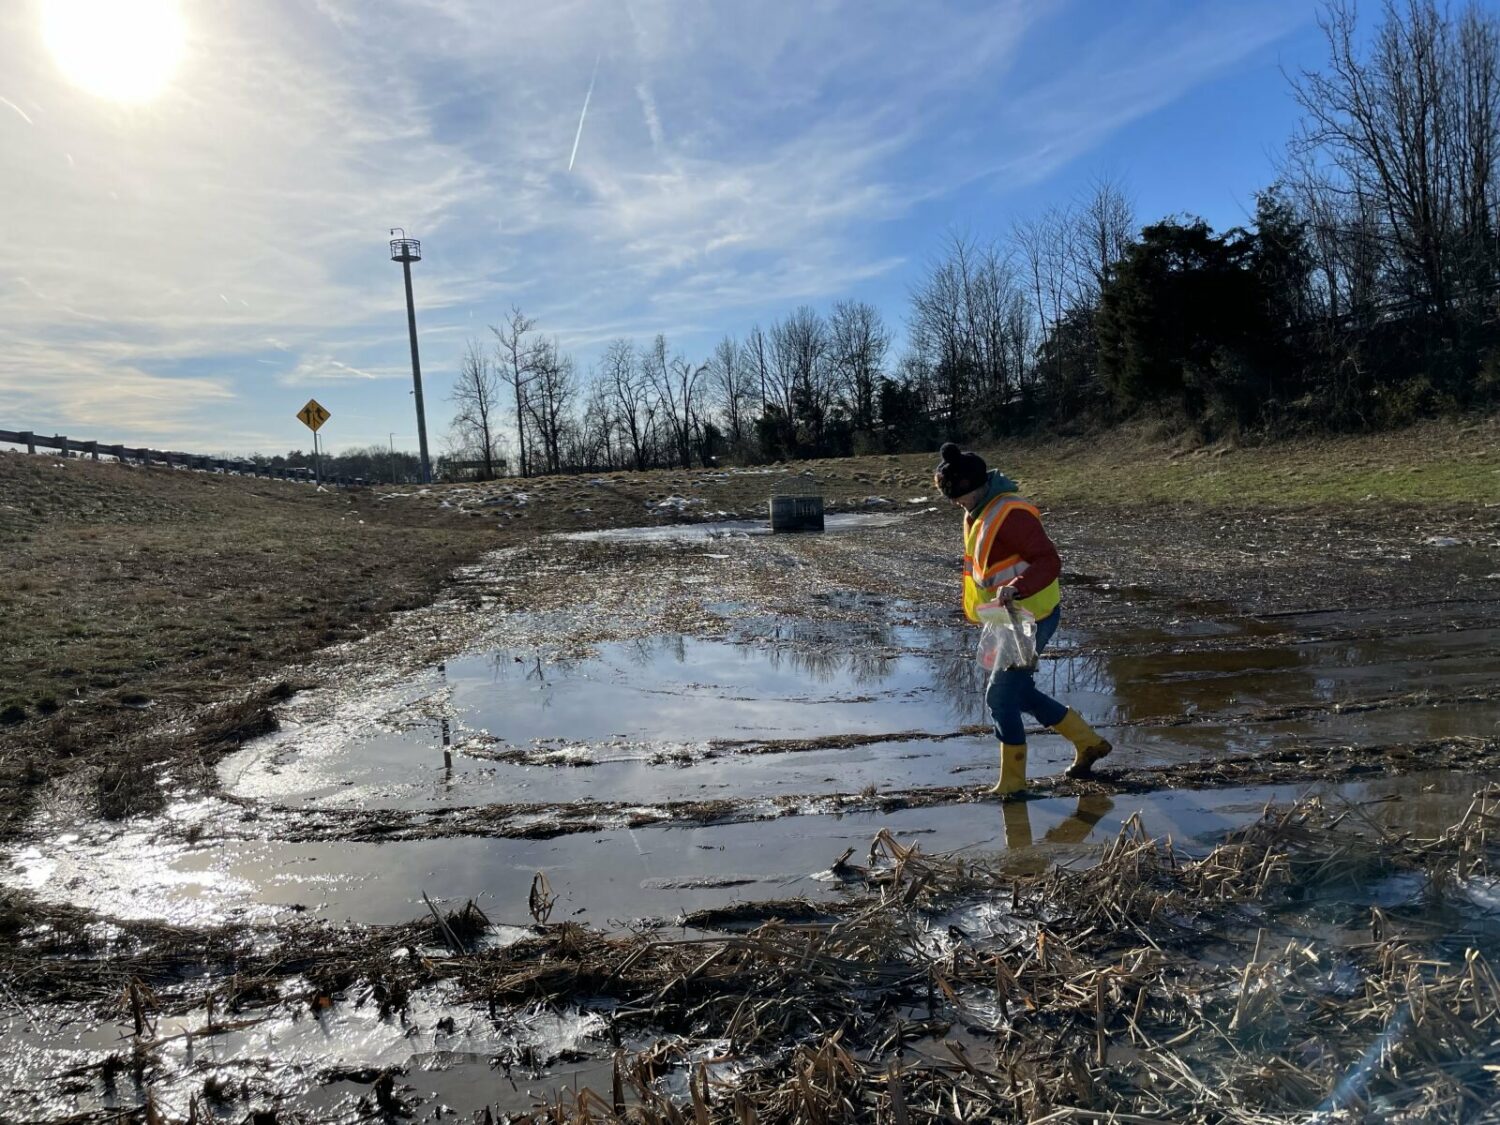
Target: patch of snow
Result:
[[674, 504]]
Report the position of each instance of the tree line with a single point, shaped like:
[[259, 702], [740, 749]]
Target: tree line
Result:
[[1361, 293], [810, 385]]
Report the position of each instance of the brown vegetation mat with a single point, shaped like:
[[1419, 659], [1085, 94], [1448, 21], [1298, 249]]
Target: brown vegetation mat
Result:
[[1149, 986]]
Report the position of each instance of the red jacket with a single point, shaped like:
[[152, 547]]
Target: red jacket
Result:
[[1022, 534]]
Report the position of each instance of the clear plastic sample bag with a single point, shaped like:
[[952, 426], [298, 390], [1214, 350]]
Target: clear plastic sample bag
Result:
[[1007, 639]]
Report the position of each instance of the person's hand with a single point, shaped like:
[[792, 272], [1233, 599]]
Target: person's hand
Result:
[[1006, 595]]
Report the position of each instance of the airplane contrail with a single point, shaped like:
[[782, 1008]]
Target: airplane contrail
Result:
[[29, 121], [578, 136]]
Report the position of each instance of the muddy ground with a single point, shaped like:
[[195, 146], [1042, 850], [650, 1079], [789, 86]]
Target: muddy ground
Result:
[[632, 812]]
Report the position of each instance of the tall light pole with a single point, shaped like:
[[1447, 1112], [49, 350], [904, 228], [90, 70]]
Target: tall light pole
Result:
[[406, 251], [393, 455]]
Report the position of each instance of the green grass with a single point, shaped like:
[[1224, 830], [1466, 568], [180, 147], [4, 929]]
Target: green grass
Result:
[[1448, 462], [1437, 463]]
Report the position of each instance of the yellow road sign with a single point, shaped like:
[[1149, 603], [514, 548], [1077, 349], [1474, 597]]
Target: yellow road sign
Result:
[[313, 415]]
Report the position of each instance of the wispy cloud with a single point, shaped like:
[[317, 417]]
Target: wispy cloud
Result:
[[643, 91], [315, 369], [179, 266], [93, 393]]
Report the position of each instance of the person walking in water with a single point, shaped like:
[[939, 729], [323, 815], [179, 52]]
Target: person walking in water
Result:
[[1008, 558]]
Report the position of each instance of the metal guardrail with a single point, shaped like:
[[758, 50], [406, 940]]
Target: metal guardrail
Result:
[[72, 447]]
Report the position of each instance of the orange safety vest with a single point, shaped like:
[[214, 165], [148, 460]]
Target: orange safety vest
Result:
[[981, 581]]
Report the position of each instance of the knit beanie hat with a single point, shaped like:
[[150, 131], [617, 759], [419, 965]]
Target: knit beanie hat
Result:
[[959, 473]]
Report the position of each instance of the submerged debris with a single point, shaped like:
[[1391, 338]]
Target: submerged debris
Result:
[[1105, 1003], [1149, 984]]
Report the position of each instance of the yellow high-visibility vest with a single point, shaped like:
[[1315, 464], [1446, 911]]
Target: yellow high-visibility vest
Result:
[[982, 580]]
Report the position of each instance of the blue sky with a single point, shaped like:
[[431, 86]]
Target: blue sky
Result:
[[186, 271]]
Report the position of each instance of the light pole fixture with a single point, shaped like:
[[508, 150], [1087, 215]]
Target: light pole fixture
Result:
[[406, 251]]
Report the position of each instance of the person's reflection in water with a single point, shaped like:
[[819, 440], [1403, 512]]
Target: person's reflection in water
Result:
[[1017, 825], [1089, 811]]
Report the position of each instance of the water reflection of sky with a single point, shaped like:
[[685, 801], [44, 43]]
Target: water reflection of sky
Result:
[[685, 688], [1111, 684], [810, 678], [665, 699], [620, 874]]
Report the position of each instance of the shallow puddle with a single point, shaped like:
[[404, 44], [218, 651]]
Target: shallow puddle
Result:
[[669, 718], [452, 1053], [1175, 683], [615, 877], [657, 700], [354, 778], [406, 771], [723, 529], [685, 689]]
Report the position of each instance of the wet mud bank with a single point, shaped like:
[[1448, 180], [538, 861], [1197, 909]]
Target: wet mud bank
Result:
[[1139, 975], [695, 819]]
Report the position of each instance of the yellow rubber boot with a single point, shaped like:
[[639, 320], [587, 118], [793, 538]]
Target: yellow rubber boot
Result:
[[1088, 744], [1012, 770]]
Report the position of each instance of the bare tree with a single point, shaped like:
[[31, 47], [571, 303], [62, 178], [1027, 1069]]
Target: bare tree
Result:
[[629, 395], [1047, 246], [514, 351], [966, 332], [677, 385], [993, 297], [731, 380], [1349, 252], [599, 425], [1104, 223], [550, 401], [859, 342], [801, 375], [1414, 126], [477, 394], [938, 349], [758, 357]]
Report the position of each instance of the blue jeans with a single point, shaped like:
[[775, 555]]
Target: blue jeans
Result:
[[1014, 691]]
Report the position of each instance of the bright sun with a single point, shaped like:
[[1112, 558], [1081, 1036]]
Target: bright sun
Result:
[[124, 50]]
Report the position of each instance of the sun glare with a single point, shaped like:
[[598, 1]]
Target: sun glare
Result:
[[124, 50]]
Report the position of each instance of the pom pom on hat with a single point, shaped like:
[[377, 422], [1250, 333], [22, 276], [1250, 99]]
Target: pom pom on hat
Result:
[[959, 473]]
